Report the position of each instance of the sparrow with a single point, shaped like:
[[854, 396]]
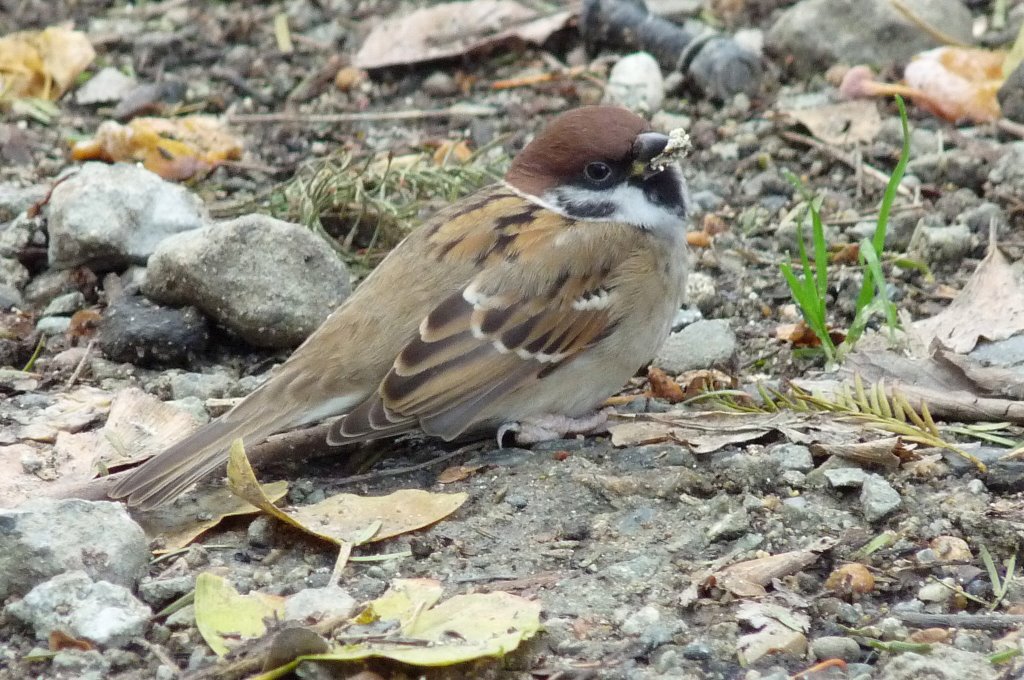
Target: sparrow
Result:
[[521, 307]]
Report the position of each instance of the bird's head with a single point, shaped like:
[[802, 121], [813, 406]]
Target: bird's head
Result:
[[595, 164]]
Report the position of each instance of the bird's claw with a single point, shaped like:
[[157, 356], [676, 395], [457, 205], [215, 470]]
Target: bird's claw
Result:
[[544, 428]]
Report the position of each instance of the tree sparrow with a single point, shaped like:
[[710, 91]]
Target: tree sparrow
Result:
[[531, 301]]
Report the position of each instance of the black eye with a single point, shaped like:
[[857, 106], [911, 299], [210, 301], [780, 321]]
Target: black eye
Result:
[[597, 171]]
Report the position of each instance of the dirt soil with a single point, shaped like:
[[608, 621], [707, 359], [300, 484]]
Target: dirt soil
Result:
[[609, 539]]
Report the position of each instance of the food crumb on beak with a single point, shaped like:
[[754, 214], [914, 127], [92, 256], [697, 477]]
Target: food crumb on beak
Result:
[[678, 146]]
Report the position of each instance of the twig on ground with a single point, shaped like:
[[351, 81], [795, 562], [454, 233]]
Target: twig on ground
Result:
[[935, 33], [362, 116], [961, 620], [394, 472], [1010, 126], [81, 365], [844, 158]]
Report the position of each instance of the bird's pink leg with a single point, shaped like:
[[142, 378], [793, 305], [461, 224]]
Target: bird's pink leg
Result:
[[546, 427]]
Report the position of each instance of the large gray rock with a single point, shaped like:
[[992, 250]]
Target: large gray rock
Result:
[[818, 33], [702, 344], [111, 216], [101, 612], [269, 281], [45, 537]]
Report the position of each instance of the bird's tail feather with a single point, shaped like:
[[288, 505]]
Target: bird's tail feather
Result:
[[173, 470]]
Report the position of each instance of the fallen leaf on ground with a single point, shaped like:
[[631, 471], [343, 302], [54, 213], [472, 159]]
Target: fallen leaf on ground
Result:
[[42, 64], [59, 640], [663, 386], [457, 473], [990, 307], [71, 412], [453, 29], [404, 599], [138, 427], [954, 83], [702, 431], [887, 452], [749, 578], [703, 380], [178, 524], [174, 148], [222, 615], [842, 124], [343, 519], [460, 629]]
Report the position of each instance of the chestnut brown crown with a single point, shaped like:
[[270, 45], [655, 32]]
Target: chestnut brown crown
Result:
[[559, 153]]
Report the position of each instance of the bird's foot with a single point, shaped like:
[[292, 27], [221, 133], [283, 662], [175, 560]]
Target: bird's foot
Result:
[[551, 426]]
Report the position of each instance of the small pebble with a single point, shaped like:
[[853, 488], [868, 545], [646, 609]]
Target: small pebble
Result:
[[835, 647]]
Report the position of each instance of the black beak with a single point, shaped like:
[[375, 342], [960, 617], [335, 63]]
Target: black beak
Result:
[[648, 145]]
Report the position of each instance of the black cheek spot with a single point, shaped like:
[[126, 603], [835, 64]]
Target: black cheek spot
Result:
[[589, 209], [665, 189]]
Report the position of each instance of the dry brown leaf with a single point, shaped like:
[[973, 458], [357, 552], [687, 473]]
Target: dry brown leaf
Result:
[[138, 427], [663, 386], [887, 452], [996, 381], [703, 380], [848, 254], [453, 29], [954, 83], [179, 524], [344, 519], [949, 392], [70, 412], [703, 431], [457, 473], [42, 64], [843, 124], [748, 579], [175, 148], [59, 640]]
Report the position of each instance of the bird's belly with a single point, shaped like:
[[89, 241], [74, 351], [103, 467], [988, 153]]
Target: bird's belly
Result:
[[583, 384]]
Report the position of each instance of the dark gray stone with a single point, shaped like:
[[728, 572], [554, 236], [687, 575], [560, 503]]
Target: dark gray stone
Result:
[[138, 331]]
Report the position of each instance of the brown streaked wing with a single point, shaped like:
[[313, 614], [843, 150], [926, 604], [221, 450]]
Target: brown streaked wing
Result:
[[468, 356]]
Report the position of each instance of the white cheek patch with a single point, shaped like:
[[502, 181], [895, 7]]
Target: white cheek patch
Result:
[[630, 204]]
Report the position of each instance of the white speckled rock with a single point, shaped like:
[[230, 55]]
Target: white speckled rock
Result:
[[636, 83], [111, 216]]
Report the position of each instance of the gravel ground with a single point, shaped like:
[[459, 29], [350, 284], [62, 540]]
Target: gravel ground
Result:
[[621, 545]]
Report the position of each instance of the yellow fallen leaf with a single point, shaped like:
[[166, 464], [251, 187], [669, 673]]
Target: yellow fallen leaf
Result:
[[405, 597], [463, 628], [344, 518], [222, 614], [42, 64], [174, 148]]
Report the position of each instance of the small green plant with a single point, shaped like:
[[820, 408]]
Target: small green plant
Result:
[[809, 290]]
